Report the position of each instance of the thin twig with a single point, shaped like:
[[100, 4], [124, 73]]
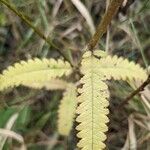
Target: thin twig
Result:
[[37, 31], [139, 89], [102, 27]]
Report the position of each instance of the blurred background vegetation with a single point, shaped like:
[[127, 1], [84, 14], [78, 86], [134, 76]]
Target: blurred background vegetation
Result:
[[33, 113]]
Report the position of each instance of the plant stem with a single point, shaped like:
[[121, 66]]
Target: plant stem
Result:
[[139, 89], [36, 30], [138, 42], [102, 27]]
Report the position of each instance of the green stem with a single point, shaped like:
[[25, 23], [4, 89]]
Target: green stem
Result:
[[138, 43], [36, 30], [102, 27]]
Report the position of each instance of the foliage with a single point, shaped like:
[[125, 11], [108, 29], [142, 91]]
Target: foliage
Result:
[[33, 116], [66, 112], [93, 95], [33, 72]]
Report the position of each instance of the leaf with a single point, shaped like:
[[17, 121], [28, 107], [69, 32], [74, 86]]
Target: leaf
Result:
[[92, 110], [43, 120], [92, 107], [100, 53], [5, 114], [23, 118], [9, 125], [120, 69], [53, 84], [66, 112], [33, 71]]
